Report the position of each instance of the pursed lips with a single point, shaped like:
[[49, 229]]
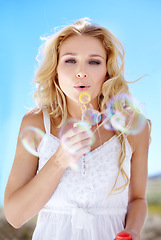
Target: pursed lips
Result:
[[81, 86]]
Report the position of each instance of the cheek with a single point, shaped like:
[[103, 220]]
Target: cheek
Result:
[[100, 77], [64, 72], [63, 78]]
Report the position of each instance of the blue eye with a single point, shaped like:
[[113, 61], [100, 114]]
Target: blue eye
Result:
[[70, 61], [94, 62]]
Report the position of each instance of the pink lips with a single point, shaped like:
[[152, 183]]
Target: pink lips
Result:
[[81, 87]]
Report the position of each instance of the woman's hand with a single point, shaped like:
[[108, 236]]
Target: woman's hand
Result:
[[134, 235], [74, 144]]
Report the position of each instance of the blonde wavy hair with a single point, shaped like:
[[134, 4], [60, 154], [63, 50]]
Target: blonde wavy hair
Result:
[[49, 95]]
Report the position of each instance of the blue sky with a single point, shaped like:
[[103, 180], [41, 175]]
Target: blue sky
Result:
[[135, 23]]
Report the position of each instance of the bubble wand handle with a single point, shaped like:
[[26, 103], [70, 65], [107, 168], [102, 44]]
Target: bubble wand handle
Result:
[[89, 114], [123, 236], [84, 98]]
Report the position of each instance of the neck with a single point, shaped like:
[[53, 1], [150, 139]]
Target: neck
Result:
[[74, 108]]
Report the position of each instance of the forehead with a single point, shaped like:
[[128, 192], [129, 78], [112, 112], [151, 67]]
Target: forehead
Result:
[[82, 44]]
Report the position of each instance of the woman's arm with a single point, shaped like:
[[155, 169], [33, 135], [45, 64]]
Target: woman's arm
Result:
[[137, 207], [26, 193]]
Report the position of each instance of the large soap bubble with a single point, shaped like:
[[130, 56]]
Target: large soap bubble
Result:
[[128, 117], [69, 124], [31, 137]]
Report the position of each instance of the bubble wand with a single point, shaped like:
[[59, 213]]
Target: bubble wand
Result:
[[89, 114]]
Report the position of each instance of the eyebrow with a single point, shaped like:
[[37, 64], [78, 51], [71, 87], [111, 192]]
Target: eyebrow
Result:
[[91, 55]]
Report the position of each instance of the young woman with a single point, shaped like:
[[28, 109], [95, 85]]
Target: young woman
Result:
[[106, 194]]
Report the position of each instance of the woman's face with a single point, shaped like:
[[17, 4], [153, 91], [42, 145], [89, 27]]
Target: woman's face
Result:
[[81, 67]]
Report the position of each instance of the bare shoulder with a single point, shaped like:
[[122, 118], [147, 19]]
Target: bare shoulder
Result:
[[142, 139], [33, 118], [25, 164]]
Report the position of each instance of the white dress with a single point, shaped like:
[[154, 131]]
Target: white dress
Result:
[[79, 208]]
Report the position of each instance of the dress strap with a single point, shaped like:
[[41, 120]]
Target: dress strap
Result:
[[46, 118]]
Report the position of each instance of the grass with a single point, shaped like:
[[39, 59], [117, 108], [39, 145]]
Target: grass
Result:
[[154, 209], [154, 196]]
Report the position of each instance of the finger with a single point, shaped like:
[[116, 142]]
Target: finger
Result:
[[74, 131], [81, 144], [80, 140], [74, 149], [81, 137], [78, 154], [76, 128]]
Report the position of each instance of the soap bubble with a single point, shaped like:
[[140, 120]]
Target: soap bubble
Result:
[[91, 116], [69, 124], [130, 119], [118, 121], [31, 137], [107, 123]]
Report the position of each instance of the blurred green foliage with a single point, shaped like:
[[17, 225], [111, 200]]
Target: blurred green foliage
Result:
[[154, 196]]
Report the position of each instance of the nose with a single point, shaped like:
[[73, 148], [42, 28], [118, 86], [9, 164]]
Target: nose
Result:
[[81, 71], [81, 75]]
